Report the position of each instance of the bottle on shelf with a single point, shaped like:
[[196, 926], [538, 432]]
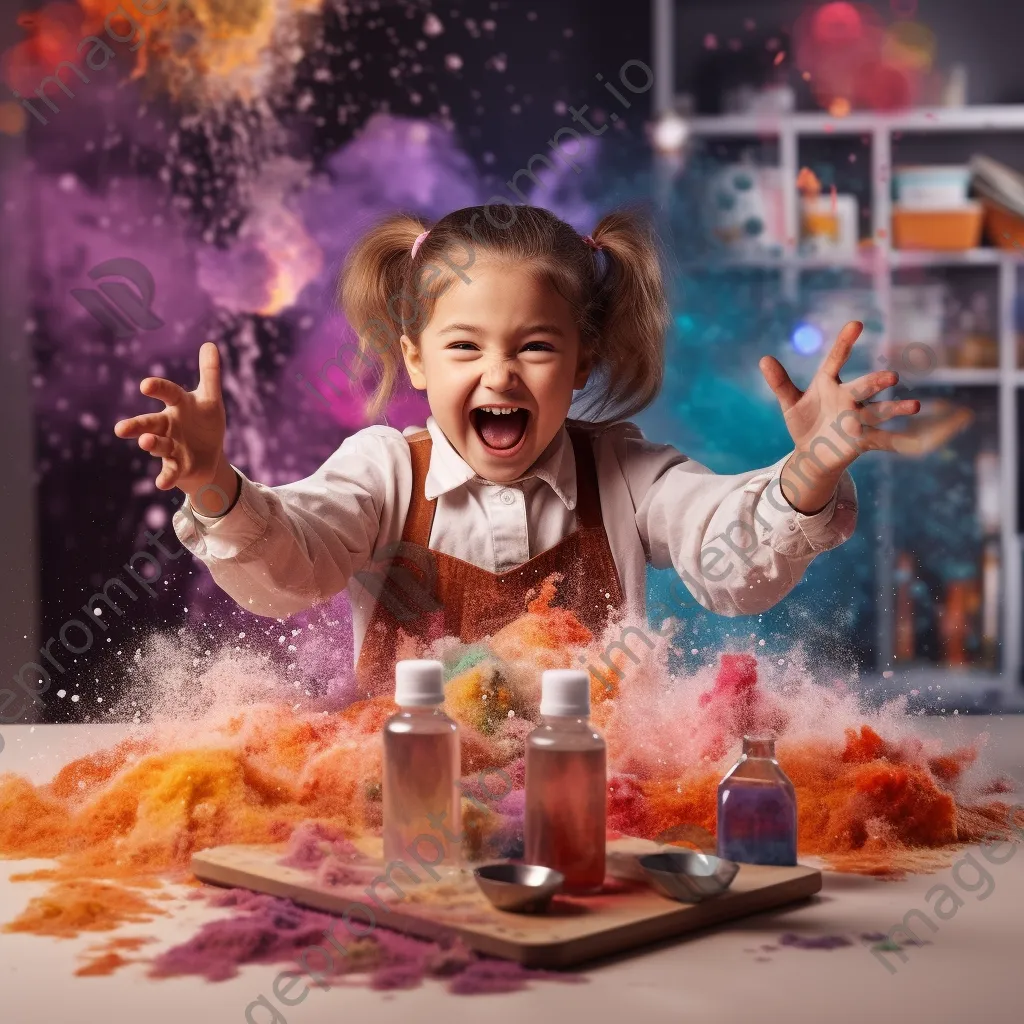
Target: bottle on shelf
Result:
[[422, 768], [976, 346], [905, 645], [989, 628], [954, 623], [566, 785], [757, 821]]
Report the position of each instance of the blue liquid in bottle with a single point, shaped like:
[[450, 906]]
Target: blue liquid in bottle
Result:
[[757, 808]]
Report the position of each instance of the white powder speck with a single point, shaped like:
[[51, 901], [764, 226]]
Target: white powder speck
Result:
[[62, 693], [74, 698]]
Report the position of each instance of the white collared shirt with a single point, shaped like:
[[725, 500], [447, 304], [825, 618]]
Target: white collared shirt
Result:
[[734, 539]]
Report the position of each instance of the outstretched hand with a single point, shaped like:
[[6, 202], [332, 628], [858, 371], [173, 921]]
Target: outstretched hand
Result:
[[833, 422], [187, 435]]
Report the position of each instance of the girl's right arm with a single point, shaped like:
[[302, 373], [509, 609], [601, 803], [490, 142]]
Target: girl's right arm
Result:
[[278, 550]]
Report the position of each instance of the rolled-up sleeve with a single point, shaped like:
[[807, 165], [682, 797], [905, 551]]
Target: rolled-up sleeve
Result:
[[283, 549], [734, 540]]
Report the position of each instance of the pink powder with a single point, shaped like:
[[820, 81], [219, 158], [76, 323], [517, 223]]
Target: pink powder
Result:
[[489, 976], [266, 929], [270, 930], [333, 873], [312, 841]]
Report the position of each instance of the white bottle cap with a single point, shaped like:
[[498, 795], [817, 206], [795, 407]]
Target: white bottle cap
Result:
[[419, 683], [565, 691]]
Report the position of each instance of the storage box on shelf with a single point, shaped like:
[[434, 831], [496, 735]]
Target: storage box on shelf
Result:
[[917, 245]]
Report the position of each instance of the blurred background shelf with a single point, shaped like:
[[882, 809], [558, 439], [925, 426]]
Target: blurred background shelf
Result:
[[864, 260], [933, 119], [979, 374]]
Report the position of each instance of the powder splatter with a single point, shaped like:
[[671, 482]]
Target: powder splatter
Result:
[[105, 959], [231, 757], [72, 907], [269, 930], [795, 941]]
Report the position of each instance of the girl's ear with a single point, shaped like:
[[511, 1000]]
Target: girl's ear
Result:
[[413, 363], [584, 365]]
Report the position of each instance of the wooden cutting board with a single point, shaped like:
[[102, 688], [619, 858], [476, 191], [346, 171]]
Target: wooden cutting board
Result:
[[626, 916]]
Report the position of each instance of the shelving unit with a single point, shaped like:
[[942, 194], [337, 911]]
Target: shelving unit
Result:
[[878, 261]]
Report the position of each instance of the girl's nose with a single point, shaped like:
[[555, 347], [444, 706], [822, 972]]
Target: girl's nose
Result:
[[500, 375]]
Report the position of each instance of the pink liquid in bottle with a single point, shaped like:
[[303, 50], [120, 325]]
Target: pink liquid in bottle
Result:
[[422, 802], [566, 785]]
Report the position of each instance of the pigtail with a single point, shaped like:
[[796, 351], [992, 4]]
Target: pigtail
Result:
[[631, 314], [372, 279]]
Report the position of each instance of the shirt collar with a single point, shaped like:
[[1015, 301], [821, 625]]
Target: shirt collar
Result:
[[448, 470]]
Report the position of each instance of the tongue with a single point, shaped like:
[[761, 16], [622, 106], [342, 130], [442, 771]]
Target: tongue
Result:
[[503, 431]]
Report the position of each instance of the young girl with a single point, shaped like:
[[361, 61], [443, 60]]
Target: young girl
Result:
[[500, 315]]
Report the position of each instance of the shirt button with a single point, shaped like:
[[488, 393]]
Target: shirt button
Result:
[[508, 497], [791, 526]]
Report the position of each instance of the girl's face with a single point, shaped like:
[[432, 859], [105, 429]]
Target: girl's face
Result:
[[499, 360]]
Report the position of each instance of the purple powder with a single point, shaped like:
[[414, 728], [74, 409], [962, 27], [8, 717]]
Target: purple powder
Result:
[[270, 930], [814, 941], [392, 976], [335, 873], [513, 805], [267, 929], [492, 976], [312, 841]]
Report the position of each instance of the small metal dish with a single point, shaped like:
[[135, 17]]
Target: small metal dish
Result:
[[519, 888], [688, 877]]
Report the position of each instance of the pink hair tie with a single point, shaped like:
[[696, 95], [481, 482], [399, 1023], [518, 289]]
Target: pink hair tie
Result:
[[593, 245], [420, 239]]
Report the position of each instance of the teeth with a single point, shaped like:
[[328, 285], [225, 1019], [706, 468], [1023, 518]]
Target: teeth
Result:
[[498, 411]]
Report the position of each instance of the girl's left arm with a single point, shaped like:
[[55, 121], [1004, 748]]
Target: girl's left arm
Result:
[[734, 540], [741, 543]]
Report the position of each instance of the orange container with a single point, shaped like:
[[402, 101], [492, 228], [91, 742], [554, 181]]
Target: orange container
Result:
[[1003, 228], [959, 228]]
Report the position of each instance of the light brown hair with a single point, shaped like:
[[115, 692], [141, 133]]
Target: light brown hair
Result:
[[617, 294]]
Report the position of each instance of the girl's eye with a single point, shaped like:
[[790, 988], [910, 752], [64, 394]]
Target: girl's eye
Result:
[[538, 346], [463, 346]]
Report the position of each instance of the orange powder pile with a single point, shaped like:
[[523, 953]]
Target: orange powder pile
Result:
[[104, 959], [873, 796], [71, 907]]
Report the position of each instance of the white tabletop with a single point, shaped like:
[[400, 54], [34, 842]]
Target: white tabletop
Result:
[[970, 971]]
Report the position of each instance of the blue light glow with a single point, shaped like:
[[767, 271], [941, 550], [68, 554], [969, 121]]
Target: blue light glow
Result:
[[807, 339]]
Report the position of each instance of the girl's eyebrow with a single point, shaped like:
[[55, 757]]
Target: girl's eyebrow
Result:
[[532, 329], [460, 329]]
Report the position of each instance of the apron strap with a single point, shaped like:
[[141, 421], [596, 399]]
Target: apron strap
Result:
[[588, 495], [420, 517]]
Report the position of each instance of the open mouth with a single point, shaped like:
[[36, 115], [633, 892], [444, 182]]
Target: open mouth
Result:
[[502, 429]]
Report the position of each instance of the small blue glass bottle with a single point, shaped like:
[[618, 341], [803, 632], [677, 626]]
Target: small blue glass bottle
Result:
[[757, 808]]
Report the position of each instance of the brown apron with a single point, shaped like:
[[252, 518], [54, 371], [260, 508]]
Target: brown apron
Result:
[[422, 595]]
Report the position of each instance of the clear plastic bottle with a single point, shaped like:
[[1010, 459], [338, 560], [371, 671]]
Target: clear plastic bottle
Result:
[[566, 785], [757, 808], [422, 768]]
